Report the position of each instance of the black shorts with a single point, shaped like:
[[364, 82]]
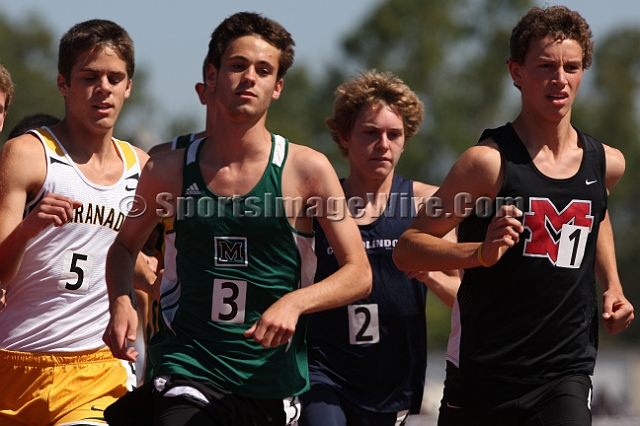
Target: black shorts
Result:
[[473, 401], [182, 401]]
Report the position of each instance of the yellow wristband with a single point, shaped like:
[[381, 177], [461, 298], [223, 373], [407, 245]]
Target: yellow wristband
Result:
[[480, 259]]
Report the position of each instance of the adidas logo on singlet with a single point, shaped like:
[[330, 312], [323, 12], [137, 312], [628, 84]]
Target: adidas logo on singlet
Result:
[[193, 190]]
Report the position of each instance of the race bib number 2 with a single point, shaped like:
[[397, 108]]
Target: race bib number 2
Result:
[[363, 324], [76, 272]]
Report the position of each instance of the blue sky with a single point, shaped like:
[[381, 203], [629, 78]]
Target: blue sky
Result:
[[171, 37]]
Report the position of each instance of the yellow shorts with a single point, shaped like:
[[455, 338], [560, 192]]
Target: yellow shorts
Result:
[[48, 389]]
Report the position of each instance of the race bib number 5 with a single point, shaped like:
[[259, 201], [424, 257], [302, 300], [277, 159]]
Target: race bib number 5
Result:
[[76, 272], [229, 301], [363, 324]]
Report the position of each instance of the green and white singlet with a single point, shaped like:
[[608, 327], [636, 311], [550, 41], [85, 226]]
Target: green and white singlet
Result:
[[236, 256]]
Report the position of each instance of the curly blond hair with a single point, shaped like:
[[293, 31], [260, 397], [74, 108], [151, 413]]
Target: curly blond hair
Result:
[[6, 86], [371, 88]]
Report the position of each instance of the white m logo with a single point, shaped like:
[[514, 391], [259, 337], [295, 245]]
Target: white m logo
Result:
[[231, 251]]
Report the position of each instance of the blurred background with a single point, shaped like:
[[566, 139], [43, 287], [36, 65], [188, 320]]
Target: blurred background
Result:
[[451, 52]]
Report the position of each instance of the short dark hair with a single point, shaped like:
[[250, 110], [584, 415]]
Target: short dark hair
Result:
[[6, 86], [33, 121], [556, 21], [94, 35], [205, 64], [247, 23]]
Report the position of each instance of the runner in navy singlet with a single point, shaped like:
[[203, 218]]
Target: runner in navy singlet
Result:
[[367, 360]]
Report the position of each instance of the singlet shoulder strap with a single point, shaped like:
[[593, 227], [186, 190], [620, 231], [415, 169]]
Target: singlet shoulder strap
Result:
[[593, 147], [191, 154], [130, 157], [280, 150], [53, 153], [191, 170], [182, 141], [596, 160], [50, 142], [508, 142], [402, 194]]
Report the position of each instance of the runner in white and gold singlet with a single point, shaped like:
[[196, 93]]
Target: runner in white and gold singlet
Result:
[[62, 278], [64, 193]]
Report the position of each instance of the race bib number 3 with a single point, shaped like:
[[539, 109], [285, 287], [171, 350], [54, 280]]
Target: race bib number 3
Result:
[[76, 272], [229, 301], [573, 240], [363, 324]]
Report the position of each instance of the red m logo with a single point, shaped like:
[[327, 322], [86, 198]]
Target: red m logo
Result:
[[548, 227]]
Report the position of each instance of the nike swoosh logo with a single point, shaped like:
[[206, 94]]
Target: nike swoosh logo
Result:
[[135, 177], [94, 408], [590, 182], [53, 160], [453, 406]]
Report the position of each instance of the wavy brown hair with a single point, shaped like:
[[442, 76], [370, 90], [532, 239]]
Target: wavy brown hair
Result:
[[558, 22]]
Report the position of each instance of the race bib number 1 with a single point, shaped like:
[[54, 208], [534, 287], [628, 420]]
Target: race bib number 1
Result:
[[229, 300], [363, 324], [573, 240]]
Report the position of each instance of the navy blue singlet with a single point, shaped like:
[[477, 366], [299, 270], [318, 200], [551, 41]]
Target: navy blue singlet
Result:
[[374, 351]]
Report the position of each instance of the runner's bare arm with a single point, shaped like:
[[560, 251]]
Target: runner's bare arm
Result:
[[144, 273], [617, 311], [314, 174], [443, 284], [18, 185], [160, 148], [155, 179], [476, 173]]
